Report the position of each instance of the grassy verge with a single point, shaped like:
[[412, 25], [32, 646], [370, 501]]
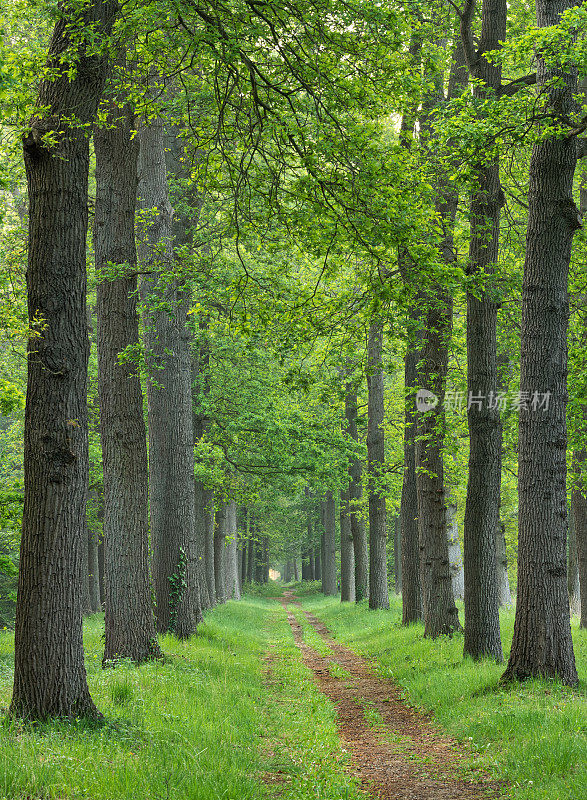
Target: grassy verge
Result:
[[208, 724], [533, 735]]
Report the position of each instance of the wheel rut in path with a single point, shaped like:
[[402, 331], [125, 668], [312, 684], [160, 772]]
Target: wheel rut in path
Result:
[[402, 756]]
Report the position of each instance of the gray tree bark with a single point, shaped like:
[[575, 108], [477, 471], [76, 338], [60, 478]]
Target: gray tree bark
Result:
[[397, 554], [503, 582], [232, 573], [378, 590], [410, 545], [329, 565], [438, 606], [355, 500], [49, 672], [482, 634], [94, 571], [542, 643], [129, 626], [169, 396], [220, 528], [347, 565], [455, 557], [573, 583]]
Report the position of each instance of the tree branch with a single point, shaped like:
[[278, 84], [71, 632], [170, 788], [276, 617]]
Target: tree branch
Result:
[[510, 89], [466, 16]]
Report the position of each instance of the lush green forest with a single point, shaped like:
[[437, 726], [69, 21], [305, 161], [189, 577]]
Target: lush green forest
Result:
[[293, 416]]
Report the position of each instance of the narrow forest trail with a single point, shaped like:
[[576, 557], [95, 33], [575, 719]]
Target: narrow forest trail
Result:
[[396, 753]]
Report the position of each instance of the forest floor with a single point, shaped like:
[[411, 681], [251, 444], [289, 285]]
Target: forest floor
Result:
[[396, 750]]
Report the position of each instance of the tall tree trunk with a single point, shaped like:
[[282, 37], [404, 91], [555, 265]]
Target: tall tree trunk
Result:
[[85, 584], [296, 571], [542, 644], [397, 554], [251, 557], [438, 606], [208, 506], [130, 625], [94, 571], [49, 673], [482, 635], [329, 565], [579, 507], [410, 545], [219, 545], [245, 547], [578, 544], [312, 564], [455, 558], [231, 576], [169, 395], [203, 497], [378, 590], [573, 583], [347, 566], [503, 583], [355, 499], [317, 562]]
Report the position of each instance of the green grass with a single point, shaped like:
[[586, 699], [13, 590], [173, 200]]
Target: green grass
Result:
[[533, 735], [208, 724]]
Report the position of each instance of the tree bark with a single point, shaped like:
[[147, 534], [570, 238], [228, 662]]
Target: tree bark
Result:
[[329, 565], [355, 499], [378, 590], [94, 571], [410, 545], [503, 583], [169, 396], [573, 583], [49, 673], [219, 545], [129, 626], [85, 584], [397, 554], [231, 577], [482, 634], [438, 606], [542, 643], [347, 566], [317, 562], [455, 557], [579, 507]]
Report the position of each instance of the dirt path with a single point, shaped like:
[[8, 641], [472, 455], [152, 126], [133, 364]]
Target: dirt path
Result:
[[400, 757]]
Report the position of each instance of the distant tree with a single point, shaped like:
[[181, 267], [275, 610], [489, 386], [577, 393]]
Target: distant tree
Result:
[[378, 589]]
